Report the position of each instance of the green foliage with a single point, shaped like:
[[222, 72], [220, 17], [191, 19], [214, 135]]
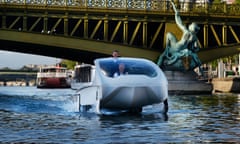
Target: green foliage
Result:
[[237, 2], [68, 63], [229, 59], [221, 1], [5, 69], [217, 1], [23, 69], [214, 64]]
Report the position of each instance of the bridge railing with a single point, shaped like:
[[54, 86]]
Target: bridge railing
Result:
[[200, 6]]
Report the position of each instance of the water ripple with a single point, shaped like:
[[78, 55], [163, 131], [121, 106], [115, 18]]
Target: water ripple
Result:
[[30, 115]]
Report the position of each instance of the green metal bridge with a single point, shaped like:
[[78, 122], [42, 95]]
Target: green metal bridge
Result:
[[83, 30]]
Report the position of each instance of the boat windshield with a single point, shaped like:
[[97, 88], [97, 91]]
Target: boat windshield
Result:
[[132, 67]]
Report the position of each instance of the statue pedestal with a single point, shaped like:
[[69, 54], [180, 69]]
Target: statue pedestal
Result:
[[182, 83]]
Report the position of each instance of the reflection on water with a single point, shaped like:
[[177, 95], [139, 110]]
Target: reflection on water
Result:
[[35, 115]]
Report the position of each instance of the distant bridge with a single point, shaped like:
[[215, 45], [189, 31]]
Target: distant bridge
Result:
[[85, 30], [25, 77]]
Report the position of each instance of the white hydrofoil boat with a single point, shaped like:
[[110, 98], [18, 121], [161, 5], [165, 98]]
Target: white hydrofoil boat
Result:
[[142, 83]]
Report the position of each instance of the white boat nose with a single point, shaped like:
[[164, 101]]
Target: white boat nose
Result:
[[129, 97]]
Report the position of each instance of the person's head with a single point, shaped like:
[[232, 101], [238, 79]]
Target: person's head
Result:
[[193, 27], [115, 53], [121, 67]]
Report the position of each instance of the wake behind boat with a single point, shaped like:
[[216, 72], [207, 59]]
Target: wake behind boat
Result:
[[124, 84], [53, 77]]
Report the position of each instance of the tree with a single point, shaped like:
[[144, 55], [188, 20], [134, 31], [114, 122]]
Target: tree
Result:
[[68, 63]]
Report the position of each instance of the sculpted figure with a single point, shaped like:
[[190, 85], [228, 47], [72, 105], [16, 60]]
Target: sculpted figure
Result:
[[181, 54]]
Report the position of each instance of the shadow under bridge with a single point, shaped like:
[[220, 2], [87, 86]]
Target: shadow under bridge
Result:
[[67, 48], [87, 50]]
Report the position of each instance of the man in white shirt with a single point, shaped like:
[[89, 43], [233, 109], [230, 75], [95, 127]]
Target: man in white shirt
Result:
[[121, 70]]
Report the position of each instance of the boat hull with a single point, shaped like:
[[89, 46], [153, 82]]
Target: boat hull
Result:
[[79, 85], [53, 83], [128, 97], [133, 91]]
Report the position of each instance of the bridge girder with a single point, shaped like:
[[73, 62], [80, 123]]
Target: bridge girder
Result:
[[86, 51], [67, 48], [95, 31]]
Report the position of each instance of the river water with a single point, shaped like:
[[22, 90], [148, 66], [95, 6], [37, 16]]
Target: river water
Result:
[[31, 115]]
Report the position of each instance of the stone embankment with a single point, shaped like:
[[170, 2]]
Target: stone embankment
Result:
[[227, 84], [18, 83], [182, 83]]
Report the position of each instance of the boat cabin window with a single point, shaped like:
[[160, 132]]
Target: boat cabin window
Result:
[[83, 74], [132, 67], [53, 70]]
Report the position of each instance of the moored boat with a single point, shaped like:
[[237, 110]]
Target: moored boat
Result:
[[83, 75], [53, 77]]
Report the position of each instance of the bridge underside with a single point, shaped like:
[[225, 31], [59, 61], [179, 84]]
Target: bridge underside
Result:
[[66, 48], [51, 51], [88, 50], [210, 54]]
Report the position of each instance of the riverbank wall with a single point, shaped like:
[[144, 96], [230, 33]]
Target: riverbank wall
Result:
[[227, 84], [18, 83], [182, 83]]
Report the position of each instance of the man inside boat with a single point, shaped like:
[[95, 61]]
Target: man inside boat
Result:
[[115, 54], [121, 70]]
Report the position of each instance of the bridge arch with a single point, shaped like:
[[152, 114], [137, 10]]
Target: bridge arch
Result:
[[95, 28]]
